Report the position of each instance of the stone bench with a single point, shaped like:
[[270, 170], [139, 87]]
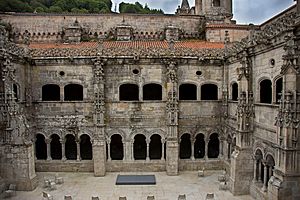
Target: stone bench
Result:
[[210, 196], [223, 186], [68, 197], [181, 197], [11, 191], [122, 198], [200, 173], [95, 198], [150, 197], [47, 196]]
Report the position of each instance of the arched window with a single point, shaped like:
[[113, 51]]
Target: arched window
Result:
[[155, 147], [270, 164], [129, 92], [140, 147], [40, 147], [55, 147], [71, 147], [278, 90], [86, 151], [209, 92], [116, 147], [259, 166], [152, 92], [73, 92], [199, 148], [216, 3], [50, 92], [185, 146], [213, 146], [187, 92], [265, 91], [16, 92], [234, 91]]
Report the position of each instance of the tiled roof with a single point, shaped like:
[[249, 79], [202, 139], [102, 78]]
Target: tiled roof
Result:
[[228, 26], [131, 48], [131, 44]]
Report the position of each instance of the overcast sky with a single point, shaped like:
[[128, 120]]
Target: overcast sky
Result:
[[245, 11]]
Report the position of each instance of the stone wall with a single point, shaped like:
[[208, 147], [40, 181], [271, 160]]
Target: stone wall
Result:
[[49, 27]]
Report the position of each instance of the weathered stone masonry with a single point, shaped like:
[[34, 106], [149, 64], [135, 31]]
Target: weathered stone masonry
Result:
[[143, 98]]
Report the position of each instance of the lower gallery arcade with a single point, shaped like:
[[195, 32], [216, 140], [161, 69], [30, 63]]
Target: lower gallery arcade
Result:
[[141, 147]]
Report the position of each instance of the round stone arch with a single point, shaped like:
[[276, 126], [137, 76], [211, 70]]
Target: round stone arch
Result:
[[144, 132], [46, 136], [128, 82], [258, 146], [261, 78], [115, 131], [86, 132], [219, 88], [163, 97], [189, 82], [159, 132]]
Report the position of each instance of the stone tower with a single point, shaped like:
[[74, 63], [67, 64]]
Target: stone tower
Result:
[[213, 7]]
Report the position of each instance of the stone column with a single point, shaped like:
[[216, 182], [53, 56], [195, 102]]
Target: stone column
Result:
[[124, 150], [221, 149], [192, 149], [206, 150], [264, 188], [34, 148], [99, 156], [108, 141], [132, 150], [78, 149], [259, 171], [162, 149], [148, 144], [63, 151], [255, 171], [48, 141]]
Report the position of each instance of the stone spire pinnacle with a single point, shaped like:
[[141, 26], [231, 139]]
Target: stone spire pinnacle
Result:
[[185, 4]]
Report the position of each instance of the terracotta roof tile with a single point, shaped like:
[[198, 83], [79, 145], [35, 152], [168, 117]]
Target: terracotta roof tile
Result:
[[131, 44]]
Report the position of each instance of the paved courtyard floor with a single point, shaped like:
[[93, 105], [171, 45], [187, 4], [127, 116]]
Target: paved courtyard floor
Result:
[[82, 186]]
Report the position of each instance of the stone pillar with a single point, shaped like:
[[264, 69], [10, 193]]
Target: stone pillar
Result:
[[148, 144], [255, 171], [206, 150], [221, 148], [124, 150], [63, 149], [259, 172], [132, 150], [78, 149], [48, 141], [265, 184], [108, 149], [162, 149], [192, 149], [99, 155]]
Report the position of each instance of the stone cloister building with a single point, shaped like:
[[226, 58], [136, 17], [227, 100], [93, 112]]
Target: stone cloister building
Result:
[[124, 92]]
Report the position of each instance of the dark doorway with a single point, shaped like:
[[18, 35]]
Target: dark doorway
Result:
[[234, 91], [116, 147], [86, 150], [55, 147], [71, 147], [140, 147], [213, 146], [40, 147], [187, 92], [129, 92], [73, 92], [278, 90], [199, 148], [155, 147], [209, 92], [266, 91], [152, 92], [216, 3], [185, 146], [16, 92], [50, 92]]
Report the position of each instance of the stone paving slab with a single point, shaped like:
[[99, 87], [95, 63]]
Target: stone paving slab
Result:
[[82, 186]]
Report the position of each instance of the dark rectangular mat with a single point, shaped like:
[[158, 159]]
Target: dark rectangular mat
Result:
[[136, 180]]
